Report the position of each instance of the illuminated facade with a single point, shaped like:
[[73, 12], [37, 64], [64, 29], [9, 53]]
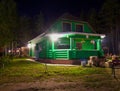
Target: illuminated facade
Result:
[[68, 38]]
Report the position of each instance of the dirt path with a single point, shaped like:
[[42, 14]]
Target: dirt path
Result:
[[49, 85], [43, 86]]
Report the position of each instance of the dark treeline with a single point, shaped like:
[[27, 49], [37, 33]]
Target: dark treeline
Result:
[[107, 21], [16, 30]]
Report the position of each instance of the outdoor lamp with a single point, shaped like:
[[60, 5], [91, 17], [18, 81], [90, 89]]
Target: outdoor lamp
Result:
[[54, 37], [102, 36], [29, 45]]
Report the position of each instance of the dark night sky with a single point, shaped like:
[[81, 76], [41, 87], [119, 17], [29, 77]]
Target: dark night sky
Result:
[[55, 8]]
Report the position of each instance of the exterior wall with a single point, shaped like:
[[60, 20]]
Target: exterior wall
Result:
[[82, 54], [42, 48], [32, 52], [87, 45], [57, 27]]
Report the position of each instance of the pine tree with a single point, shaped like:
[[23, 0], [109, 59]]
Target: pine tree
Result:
[[93, 20], [108, 21], [39, 23], [25, 32], [82, 15], [8, 19]]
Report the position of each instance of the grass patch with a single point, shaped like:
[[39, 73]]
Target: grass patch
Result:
[[22, 70]]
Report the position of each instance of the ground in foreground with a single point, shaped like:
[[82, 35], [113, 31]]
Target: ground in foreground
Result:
[[23, 75]]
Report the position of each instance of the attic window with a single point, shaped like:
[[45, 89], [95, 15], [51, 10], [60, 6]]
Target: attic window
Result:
[[79, 28], [66, 27]]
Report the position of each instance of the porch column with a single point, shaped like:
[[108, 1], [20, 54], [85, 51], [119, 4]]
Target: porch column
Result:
[[53, 48], [71, 43], [98, 44]]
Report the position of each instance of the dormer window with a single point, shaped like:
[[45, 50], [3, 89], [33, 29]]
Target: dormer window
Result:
[[79, 28], [66, 27]]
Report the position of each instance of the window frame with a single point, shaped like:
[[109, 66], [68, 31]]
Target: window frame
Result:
[[70, 27], [80, 25], [63, 44]]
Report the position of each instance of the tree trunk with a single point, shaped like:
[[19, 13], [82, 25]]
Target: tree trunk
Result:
[[5, 50]]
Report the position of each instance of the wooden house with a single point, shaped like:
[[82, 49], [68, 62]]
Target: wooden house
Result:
[[67, 38]]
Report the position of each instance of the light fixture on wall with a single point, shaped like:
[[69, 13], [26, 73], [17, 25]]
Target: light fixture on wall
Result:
[[30, 45], [54, 37], [102, 36], [87, 36]]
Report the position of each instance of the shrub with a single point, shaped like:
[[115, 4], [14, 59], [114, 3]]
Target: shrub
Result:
[[5, 59]]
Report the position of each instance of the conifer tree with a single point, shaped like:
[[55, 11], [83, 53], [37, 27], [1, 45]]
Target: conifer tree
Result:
[[8, 22], [108, 18]]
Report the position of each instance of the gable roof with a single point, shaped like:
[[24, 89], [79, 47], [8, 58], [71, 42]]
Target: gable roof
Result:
[[68, 16], [65, 16]]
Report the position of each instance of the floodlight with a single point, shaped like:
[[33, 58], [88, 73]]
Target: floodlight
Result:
[[54, 37], [29, 45], [102, 36]]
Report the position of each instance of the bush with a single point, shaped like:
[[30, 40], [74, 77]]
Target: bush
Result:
[[5, 59]]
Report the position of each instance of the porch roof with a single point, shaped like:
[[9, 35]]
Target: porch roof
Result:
[[63, 34]]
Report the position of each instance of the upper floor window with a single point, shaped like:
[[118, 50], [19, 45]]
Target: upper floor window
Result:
[[66, 27], [79, 28]]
